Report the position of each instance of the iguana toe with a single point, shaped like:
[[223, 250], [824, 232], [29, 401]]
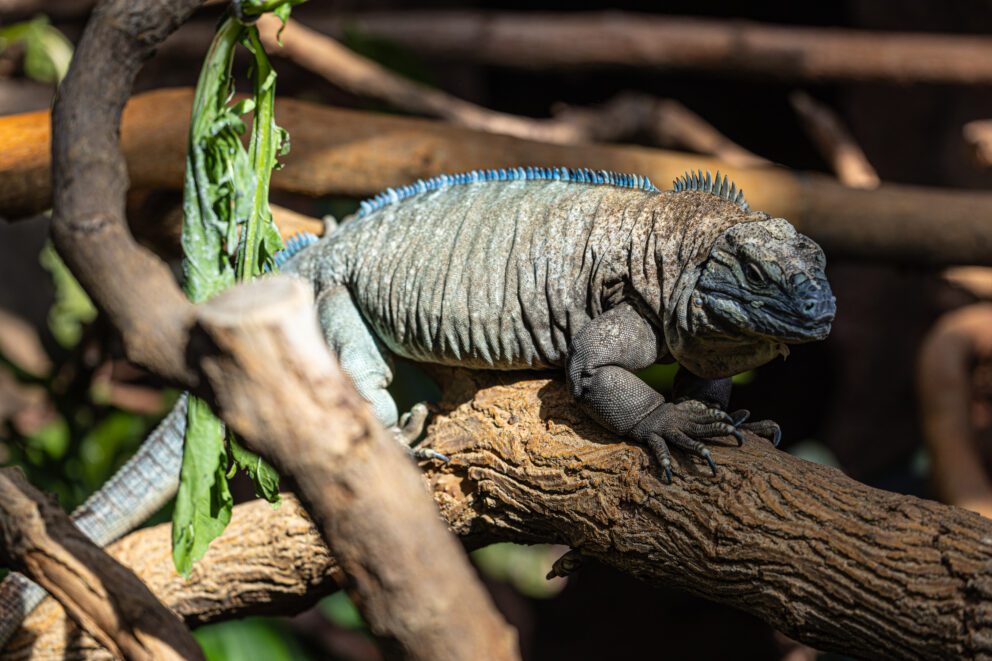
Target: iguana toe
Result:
[[768, 429], [685, 425], [410, 428]]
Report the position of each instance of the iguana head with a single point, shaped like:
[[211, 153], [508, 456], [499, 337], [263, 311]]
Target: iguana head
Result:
[[744, 285], [763, 280]]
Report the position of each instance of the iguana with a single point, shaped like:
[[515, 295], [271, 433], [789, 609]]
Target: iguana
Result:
[[595, 273]]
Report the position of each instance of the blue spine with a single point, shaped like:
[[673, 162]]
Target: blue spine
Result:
[[578, 176], [294, 244]]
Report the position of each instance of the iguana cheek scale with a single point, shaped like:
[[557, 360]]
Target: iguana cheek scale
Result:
[[595, 273]]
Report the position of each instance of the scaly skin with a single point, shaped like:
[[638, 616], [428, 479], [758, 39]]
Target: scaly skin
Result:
[[598, 280]]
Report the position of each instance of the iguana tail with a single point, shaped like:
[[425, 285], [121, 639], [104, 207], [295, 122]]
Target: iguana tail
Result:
[[142, 486]]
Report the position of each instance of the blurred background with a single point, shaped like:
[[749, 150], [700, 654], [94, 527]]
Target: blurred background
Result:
[[898, 397]]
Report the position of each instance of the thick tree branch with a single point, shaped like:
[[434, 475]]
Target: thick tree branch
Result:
[[354, 153], [106, 599], [359, 485], [828, 560], [314, 411], [575, 40]]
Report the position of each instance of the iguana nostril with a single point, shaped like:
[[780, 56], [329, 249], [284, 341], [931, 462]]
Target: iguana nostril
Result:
[[820, 308]]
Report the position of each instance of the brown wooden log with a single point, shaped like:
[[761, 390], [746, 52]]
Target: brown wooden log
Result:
[[577, 40], [102, 596], [269, 561], [359, 485], [831, 562], [356, 153]]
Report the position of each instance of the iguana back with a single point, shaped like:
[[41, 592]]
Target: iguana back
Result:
[[491, 273]]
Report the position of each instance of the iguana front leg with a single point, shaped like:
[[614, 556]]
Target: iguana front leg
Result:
[[716, 392], [600, 368]]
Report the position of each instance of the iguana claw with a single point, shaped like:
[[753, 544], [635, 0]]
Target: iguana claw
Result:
[[765, 428], [685, 425], [410, 428]]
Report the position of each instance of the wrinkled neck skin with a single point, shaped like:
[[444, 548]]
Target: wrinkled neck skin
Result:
[[707, 350], [668, 246]]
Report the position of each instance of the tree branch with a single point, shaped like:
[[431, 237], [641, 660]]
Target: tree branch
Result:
[[360, 487], [978, 135], [354, 153], [834, 142], [668, 123], [945, 364], [106, 599], [577, 40], [347, 466], [832, 562]]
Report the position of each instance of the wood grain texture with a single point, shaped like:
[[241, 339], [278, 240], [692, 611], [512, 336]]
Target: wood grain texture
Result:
[[101, 595], [831, 562], [279, 388]]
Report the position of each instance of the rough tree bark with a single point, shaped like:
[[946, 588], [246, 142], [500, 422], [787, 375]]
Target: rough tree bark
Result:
[[141, 298], [105, 598], [575, 40], [355, 153], [828, 560], [357, 483]]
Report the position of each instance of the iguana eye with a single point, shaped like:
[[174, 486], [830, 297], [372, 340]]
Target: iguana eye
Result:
[[754, 274]]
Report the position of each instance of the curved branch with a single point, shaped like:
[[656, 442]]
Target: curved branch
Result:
[[341, 473], [828, 560], [944, 381], [108, 600], [835, 143]]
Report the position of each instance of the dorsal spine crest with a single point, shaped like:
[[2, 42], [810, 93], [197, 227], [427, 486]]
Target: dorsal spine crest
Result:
[[294, 244], [697, 181], [573, 175]]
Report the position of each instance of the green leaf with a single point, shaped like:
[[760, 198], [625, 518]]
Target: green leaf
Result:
[[228, 235], [203, 503], [47, 52], [253, 638], [262, 474], [72, 307]]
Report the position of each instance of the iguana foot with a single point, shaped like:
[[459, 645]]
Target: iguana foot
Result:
[[409, 430], [684, 425], [768, 429]]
